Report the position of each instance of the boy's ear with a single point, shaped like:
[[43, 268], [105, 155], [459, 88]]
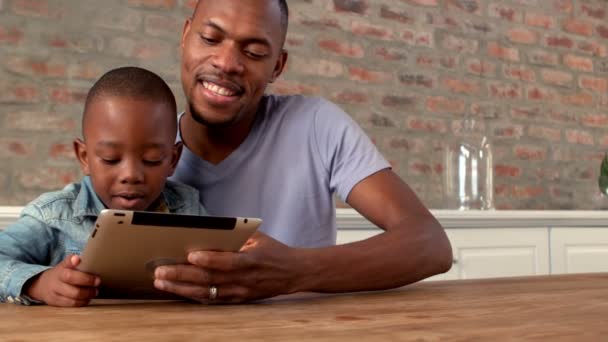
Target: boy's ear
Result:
[[176, 153], [80, 149]]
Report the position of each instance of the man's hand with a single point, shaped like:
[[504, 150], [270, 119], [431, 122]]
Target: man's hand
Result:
[[63, 285], [263, 268]]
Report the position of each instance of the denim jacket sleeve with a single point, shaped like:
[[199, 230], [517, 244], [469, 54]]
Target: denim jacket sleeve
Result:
[[24, 250]]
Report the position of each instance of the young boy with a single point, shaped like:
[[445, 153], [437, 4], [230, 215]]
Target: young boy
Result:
[[127, 152]]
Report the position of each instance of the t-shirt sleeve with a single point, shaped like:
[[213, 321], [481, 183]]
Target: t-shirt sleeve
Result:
[[346, 151]]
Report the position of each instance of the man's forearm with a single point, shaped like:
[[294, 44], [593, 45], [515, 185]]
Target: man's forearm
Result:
[[391, 259]]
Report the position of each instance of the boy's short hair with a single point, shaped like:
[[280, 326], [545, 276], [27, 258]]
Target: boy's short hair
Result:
[[130, 82]]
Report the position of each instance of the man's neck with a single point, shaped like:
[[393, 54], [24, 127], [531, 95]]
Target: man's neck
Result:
[[214, 144]]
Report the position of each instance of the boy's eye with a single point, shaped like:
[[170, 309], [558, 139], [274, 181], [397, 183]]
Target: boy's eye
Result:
[[153, 162], [110, 161]]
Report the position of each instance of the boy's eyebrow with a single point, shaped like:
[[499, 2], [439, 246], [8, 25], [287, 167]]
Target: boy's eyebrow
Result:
[[113, 144]]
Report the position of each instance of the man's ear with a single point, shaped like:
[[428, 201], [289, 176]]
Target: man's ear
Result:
[[176, 153], [185, 31], [80, 149], [278, 68]]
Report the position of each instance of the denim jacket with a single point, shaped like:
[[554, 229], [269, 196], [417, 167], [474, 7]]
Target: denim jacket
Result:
[[59, 223]]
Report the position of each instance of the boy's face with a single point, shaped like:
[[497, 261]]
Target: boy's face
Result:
[[129, 150]]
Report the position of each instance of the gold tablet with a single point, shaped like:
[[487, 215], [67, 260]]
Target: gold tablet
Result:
[[126, 246]]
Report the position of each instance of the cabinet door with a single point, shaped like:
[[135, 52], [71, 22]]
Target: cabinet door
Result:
[[579, 250], [497, 252]]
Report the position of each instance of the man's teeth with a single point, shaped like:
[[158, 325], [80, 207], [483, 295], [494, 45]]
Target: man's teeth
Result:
[[217, 89]]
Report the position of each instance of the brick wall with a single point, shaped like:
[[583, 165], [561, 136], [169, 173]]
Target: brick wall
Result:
[[534, 71]]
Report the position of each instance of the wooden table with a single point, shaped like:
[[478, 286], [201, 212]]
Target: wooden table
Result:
[[570, 307]]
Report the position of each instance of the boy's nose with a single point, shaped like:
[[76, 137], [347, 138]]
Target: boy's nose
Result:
[[131, 174]]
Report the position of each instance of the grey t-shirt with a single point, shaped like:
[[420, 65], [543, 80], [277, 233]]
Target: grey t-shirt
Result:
[[299, 152]]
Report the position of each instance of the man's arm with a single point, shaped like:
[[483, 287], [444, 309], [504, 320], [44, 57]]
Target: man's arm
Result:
[[414, 246]]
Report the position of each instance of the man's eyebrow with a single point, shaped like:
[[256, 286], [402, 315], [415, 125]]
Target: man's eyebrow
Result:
[[247, 40]]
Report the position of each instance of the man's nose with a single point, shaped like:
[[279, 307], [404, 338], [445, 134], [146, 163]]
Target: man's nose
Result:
[[229, 59], [131, 173]]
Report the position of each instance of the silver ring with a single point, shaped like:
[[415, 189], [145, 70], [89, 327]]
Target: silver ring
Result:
[[212, 292]]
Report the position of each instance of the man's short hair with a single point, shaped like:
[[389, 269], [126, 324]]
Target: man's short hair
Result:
[[130, 82]]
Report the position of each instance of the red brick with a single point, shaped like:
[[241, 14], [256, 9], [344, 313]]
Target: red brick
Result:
[[355, 6], [47, 178], [592, 48], [10, 35], [14, 147], [559, 41], [321, 23], [470, 6], [537, 93], [37, 8], [284, 87], [419, 168], [598, 12], [380, 120], [162, 25], [364, 75], [595, 120], [162, 4], [351, 97], [578, 26], [18, 93], [504, 90], [399, 16], [88, 70], [597, 84], [460, 44], [347, 49], [461, 86], [419, 38], [40, 121], [532, 191], [521, 73], [502, 170], [426, 125], [417, 80], [563, 117], [498, 51], [580, 99], [540, 20], [389, 54], [35, 67], [603, 141], [564, 6], [364, 29], [575, 136], [408, 144], [556, 77], [481, 67], [602, 30], [527, 113], [543, 57], [440, 104], [530, 152], [504, 12], [578, 63], [429, 3], [61, 151], [125, 20], [66, 95], [508, 131], [487, 110], [293, 40], [522, 36], [545, 133], [399, 101]]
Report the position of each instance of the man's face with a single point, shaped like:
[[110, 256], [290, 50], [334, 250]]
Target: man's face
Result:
[[129, 150], [231, 50]]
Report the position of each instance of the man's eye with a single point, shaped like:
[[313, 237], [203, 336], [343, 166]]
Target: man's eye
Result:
[[209, 40], [255, 55]]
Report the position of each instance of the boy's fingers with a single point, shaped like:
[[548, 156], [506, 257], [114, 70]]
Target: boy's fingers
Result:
[[77, 293], [77, 278]]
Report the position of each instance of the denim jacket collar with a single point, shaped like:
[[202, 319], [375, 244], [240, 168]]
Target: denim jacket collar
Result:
[[87, 202]]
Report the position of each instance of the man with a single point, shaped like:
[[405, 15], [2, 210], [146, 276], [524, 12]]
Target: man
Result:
[[281, 158]]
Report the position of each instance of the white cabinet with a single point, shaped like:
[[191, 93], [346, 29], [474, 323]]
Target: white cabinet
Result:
[[579, 250], [497, 252]]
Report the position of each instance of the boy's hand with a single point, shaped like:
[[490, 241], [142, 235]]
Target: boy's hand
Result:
[[63, 285]]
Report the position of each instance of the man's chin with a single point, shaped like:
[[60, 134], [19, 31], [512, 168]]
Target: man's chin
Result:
[[207, 121]]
